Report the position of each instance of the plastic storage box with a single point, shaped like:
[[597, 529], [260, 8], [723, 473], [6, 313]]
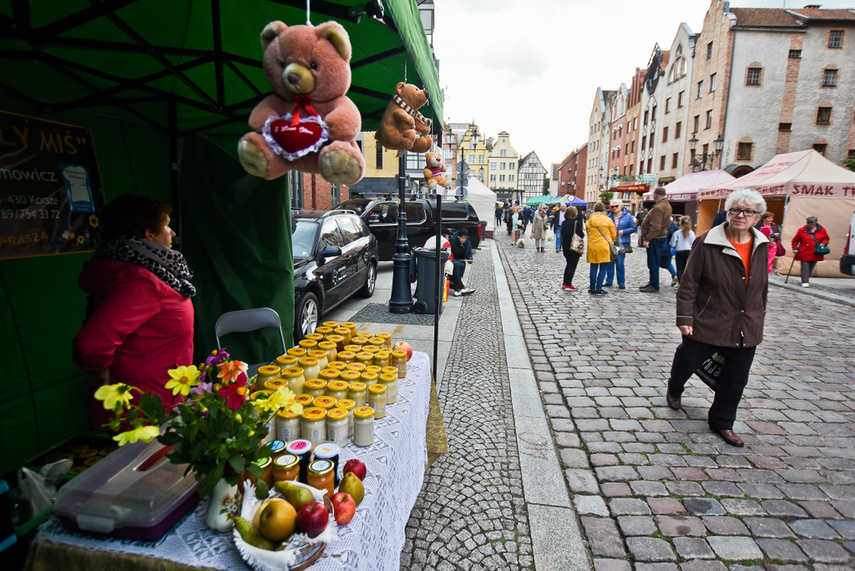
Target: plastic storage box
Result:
[[134, 493]]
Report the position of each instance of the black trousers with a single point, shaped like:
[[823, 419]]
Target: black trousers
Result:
[[570, 269], [690, 354]]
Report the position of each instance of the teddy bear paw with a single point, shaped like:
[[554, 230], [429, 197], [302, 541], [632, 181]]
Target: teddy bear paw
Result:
[[447, 184], [252, 159], [339, 167]]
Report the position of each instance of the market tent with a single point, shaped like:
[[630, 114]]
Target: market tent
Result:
[[165, 88], [538, 200], [571, 200], [685, 188], [483, 200], [795, 186]]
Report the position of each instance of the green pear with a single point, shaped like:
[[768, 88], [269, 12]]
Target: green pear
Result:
[[351, 484], [251, 535], [297, 496]]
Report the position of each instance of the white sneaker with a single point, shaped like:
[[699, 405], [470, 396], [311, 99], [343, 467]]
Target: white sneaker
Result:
[[456, 292], [805, 285], [466, 291]]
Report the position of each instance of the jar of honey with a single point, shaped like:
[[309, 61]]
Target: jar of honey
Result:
[[363, 426], [351, 326], [265, 373], [337, 423], [377, 399], [356, 393], [315, 387], [311, 368], [313, 426], [324, 330], [321, 476], [315, 336], [349, 376], [286, 467], [386, 337], [399, 359], [357, 366], [366, 334], [346, 356], [325, 402], [339, 366], [331, 324], [298, 352], [390, 380], [308, 344], [286, 361], [359, 340], [329, 451], [304, 399], [273, 384], [330, 348], [337, 389], [353, 348], [365, 357], [337, 339], [348, 405], [329, 375], [320, 357], [346, 335], [383, 358], [373, 369], [287, 425], [368, 378], [371, 349], [295, 378], [302, 449], [377, 342]]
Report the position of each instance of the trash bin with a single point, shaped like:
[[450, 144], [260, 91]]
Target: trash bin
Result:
[[426, 283]]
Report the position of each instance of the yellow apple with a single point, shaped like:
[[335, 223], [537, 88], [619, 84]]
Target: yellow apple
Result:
[[277, 520]]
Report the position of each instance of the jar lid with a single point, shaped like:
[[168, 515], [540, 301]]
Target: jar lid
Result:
[[286, 462], [365, 355], [293, 372], [383, 335], [287, 414], [268, 370], [324, 402], [377, 389], [356, 366], [369, 378], [346, 355], [346, 404], [348, 324], [337, 365], [315, 384], [336, 413], [324, 330], [398, 354], [334, 338], [304, 399], [326, 450], [309, 362], [330, 375], [277, 446], [377, 341], [363, 412], [273, 384], [337, 385], [356, 386], [317, 354], [286, 360], [359, 340], [308, 343], [315, 336], [373, 369], [389, 370], [389, 377], [349, 376], [371, 349], [256, 394], [332, 324], [342, 331], [326, 345], [297, 352], [353, 348], [299, 447], [320, 467], [263, 462], [314, 413]]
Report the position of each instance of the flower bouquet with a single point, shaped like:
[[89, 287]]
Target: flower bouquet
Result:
[[215, 429]]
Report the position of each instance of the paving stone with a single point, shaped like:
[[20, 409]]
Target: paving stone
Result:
[[591, 505], [573, 458], [701, 565], [717, 488], [703, 506], [742, 507], [813, 529], [615, 489], [603, 537], [823, 551], [768, 527], [734, 548], [761, 491], [643, 549], [636, 525], [674, 526], [601, 564], [581, 481], [665, 506], [693, 548], [721, 525], [846, 528], [781, 550], [628, 506], [783, 508], [645, 488], [820, 509]]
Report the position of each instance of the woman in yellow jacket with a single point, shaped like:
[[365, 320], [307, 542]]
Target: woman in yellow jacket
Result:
[[601, 234]]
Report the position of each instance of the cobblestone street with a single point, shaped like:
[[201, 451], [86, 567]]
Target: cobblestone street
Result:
[[653, 489]]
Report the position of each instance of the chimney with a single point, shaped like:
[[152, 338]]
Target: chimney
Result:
[[725, 7]]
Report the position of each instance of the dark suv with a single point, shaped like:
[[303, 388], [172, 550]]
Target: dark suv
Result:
[[335, 256], [381, 215]]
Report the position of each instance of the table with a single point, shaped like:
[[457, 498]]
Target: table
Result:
[[372, 540]]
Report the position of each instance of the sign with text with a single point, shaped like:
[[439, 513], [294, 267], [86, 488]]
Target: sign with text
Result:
[[50, 188]]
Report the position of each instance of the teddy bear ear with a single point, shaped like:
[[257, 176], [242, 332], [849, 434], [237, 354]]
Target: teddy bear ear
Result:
[[270, 31], [400, 87], [337, 36]]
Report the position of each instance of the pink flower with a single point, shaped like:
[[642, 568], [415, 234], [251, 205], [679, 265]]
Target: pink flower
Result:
[[231, 370], [234, 393]]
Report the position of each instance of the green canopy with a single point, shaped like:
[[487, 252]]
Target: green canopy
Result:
[[538, 200]]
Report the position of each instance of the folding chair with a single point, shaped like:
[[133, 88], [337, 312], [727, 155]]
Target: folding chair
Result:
[[246, 320]]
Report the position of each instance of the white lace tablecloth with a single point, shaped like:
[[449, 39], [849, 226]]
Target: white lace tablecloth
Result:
[[372, 540]]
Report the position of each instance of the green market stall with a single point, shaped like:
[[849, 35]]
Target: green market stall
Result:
[[164, 89]]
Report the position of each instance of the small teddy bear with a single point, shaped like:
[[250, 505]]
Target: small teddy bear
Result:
[[402, 127], [435, 171], [308, 123]]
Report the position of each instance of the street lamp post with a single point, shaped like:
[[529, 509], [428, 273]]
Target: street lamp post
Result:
[[699, 163], [402, 296]]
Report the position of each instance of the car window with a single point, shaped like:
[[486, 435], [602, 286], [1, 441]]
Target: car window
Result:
[[383, 213], [303, 237], [348, 229], [454, 210], [415, 213], [331, 236], [356, 206]]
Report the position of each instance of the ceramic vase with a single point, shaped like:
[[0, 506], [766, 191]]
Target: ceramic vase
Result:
[[224, 502]]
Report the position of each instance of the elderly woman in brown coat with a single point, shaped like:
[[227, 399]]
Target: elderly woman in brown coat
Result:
[[539, 227], [721, 307], [601, 235]]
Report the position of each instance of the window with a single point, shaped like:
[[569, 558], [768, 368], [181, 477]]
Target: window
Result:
[[851, 154], [331, 235], [674, 160], [296, 184], [643, 143], [668, 105], [795, 54], [493, 178], [820, 148], [700, 89], [635, 123], [709, 120], [823, 115], [678, 128], [653, 114], [633, 147], [662, 163], [680, 99], [510, 178], [696, 123], [650, 164], [378, 157], [829, 78], [752, 77], [743, 151], [712, 83], [835, 39], [503, 153], [709, 50], [645, 117], [665, 135], [482, 160], [501, 178], [503, 166], [492, 165], [650, 142], [786, 127]]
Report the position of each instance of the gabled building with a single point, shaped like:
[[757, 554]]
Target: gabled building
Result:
[[598, 146], [572, 172], [504, 163], [671, 149], [650, 109], [530, 177], [618, 134]]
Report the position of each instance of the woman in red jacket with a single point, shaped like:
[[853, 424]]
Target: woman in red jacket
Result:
[[139, 318], [805, 242]]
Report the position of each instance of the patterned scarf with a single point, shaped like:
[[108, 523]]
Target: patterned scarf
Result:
[[167, 264]]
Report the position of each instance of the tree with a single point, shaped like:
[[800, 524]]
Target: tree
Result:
[[545, 186], [849, 163], [606, 196]]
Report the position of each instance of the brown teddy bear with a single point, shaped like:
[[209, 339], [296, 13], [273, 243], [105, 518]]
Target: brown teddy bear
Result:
[[435, 171], [402, 127], [307, 124]]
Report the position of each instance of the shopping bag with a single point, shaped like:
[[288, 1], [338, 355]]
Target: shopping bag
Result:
[[710, 369]]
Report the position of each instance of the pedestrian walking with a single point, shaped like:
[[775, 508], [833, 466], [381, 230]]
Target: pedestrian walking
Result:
[[499, 215], [666, 259], [601, 234], [556, 221], [639, 219], [769, 229], [539, 226], [654, 233], [516, 224], [508, 214], [682, 241], [810, 245], [572, 226], [625, 224], [721, 307]]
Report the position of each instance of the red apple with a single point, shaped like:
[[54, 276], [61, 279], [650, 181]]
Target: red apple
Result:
[[355, 466], [312, 519], [344, 508], [405, 347]]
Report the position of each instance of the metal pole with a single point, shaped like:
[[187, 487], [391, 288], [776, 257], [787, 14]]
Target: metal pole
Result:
[[402, 295], [440, 281]]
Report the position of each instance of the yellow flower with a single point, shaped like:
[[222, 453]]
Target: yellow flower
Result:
[[144, 433], [183, 379], [93, 221], [113, 394], [283, 398]]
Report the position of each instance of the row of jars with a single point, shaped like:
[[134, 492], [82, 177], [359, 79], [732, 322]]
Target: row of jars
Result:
[[326, 419], [300, 460], [313, 362], [347, 384]]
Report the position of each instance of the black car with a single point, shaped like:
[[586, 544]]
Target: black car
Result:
[[335, 256], [381, 215]]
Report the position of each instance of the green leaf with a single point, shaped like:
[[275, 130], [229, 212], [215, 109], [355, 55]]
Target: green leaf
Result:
[[237, 462], [261, 489]]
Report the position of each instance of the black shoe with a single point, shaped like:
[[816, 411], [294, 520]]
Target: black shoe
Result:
[[622, 287], [592, 291], [644, 286], [607, 285], [600, 292], [649, 289]]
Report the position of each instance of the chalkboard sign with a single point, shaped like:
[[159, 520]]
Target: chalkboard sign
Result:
[[50, 188]]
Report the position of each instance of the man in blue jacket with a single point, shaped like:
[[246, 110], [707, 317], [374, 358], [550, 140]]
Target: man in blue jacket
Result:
[[625, 224], [461, 249]]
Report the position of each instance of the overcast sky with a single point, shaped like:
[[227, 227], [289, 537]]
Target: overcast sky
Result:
[[532, 67]]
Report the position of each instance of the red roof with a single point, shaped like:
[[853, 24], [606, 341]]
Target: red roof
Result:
[[781, 18]]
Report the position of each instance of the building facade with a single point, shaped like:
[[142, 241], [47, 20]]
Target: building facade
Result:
[[530, 177], [598, 146], [671, 149], [572, 172], [504, 165]]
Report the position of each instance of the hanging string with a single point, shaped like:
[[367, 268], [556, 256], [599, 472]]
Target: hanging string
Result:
[[405, 68], [308, 13]]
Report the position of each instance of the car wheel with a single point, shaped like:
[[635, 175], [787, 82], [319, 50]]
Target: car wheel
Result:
[[308, 315], [370, 281]]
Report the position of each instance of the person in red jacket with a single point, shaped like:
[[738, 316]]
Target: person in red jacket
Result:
[[805, 242], [139, 317]]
